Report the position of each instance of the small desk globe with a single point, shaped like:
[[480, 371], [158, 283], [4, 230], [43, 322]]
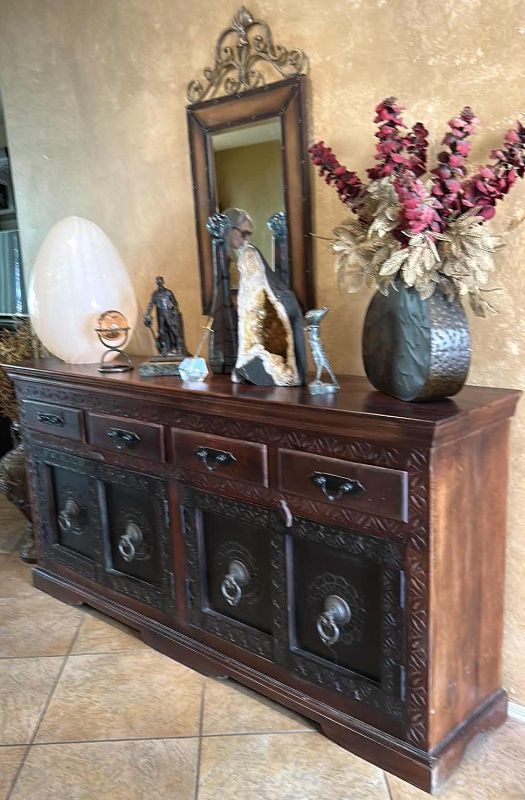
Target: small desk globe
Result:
[[113, 328], [113, 331]]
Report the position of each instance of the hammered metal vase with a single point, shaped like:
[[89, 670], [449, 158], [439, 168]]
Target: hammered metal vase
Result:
[[416, 349]]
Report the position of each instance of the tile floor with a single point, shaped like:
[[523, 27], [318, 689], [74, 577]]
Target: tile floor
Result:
[[88, 712]]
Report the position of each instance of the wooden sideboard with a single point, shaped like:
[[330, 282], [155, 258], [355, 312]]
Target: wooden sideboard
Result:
[[343, 555]]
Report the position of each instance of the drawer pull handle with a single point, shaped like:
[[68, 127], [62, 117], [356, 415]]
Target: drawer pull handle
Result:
[[122, 438], [334, 487], [213, 459], [234, 582], [69, 518], [130, 541], [50, 419], [336, 614]]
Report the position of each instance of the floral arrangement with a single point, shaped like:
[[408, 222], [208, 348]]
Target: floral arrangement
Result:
[[428, 232]]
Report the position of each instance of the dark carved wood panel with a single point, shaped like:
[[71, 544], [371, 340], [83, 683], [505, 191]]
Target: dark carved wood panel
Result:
[[260, 520], [140, 499], [51, 550], [383, 695]]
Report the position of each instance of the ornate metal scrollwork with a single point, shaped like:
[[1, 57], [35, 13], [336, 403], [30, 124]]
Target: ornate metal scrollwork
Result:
[[239, 51]]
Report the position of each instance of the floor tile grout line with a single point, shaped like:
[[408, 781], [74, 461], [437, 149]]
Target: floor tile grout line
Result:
[[75, 655], [44, 710], [385, 776], [158, 738], [199, 746]]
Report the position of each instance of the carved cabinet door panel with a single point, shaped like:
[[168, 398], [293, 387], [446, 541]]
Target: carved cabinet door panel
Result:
[[341, 626], [66, 489], [228, 552], [138, 560]]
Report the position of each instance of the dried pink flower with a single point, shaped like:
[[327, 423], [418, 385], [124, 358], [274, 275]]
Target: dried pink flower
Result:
[[347, 183]]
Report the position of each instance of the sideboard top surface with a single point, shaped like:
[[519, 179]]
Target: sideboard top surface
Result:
[[356, 404]]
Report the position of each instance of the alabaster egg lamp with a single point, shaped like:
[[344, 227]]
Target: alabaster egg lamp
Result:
[[78, 275]]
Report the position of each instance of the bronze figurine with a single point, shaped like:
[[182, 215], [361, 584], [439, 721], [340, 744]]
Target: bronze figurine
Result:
[[169, 341], [170, 332]]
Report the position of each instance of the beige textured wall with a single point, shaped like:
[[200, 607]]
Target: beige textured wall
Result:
[[94, 94], [250, 177]]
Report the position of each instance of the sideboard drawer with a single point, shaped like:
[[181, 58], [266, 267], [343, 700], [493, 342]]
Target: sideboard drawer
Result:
[[142, 439], [373, 490], [221, 456], [49, 418]]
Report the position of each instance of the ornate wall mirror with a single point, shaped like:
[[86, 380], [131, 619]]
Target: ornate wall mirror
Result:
[[248, 150]]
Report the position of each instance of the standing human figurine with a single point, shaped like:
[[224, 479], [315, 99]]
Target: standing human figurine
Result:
[[169, 340], [313, 319]]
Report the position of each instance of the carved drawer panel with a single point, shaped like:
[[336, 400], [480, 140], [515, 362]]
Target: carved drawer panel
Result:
[[49, 418], [141, 439], [68, 504], [136, 534], [339, 622], [374, 490], [228, 546], [221, 456]]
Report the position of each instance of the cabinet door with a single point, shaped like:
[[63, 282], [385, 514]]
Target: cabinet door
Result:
[[138, 560], [67, 503], [341, 626], [228, 550]]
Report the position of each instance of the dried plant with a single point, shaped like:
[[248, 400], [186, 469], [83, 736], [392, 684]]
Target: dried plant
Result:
[[427, 233], [15, 346]]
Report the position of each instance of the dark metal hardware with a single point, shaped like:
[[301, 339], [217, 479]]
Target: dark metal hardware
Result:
[[336, 614], [69, 517], [50, 419], [213, 459], [334, 487], [122, 438], [234, 582], [130, 541]]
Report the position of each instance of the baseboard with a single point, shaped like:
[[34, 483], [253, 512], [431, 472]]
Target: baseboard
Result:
[[516, 711]]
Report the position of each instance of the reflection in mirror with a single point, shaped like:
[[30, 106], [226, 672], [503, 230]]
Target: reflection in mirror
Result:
[[249, 174]]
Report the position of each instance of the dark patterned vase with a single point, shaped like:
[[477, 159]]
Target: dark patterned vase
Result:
[[416, 349]]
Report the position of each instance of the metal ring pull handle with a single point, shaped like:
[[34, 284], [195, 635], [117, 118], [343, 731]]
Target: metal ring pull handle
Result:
[[129, 541], [334, 487], [336, 614], [234, 582], [122, 438], [213, 459], [70, 515]]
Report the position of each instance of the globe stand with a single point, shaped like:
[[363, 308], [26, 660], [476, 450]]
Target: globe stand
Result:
[[111, 348]]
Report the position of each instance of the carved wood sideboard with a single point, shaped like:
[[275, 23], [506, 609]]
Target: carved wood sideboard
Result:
[[343, 555]]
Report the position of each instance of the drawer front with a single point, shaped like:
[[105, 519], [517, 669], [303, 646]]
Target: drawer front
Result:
[[48, 418], [221, 456], [141, 439], [372, 490], [229, 550]]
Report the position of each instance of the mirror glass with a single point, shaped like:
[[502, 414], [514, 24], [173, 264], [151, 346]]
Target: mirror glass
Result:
[[12, 289], [249, 175]]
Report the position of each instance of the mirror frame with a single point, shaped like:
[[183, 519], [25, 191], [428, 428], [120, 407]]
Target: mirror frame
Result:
[[284, 99]]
